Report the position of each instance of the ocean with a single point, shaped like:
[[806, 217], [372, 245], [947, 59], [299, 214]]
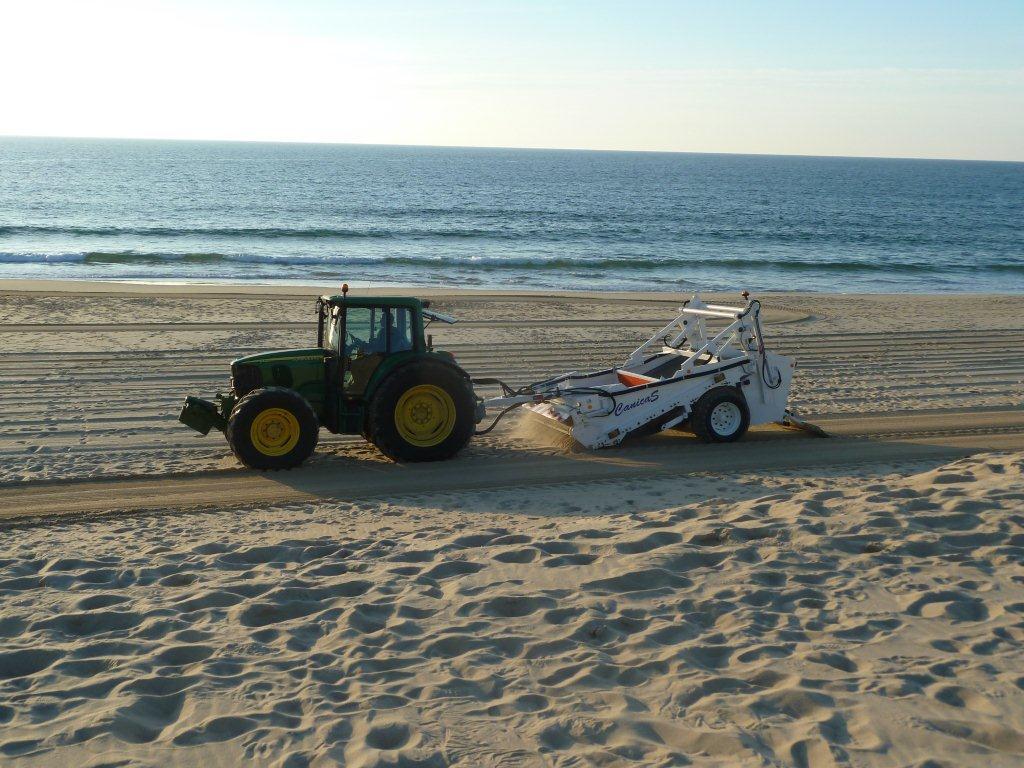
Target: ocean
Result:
[[505, 218]]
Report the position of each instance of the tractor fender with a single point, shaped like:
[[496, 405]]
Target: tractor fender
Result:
[[446, 358], [434, 357]]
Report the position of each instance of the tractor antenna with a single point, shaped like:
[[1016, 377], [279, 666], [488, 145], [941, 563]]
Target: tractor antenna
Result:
[[344, 290]]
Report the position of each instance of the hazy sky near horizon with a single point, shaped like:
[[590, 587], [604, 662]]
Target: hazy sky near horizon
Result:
[[904, 79]]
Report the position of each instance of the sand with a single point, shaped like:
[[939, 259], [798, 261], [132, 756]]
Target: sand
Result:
[[783, 601]]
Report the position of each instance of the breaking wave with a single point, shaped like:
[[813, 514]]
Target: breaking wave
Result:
[[549, 229], [497, 263]]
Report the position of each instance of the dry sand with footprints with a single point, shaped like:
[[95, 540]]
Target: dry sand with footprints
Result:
[[783, 601]]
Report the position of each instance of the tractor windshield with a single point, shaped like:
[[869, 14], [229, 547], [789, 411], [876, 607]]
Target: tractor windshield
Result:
[[365, 331]]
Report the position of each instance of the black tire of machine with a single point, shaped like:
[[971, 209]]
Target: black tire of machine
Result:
[[382, 427], [707, 428], [257, 404]]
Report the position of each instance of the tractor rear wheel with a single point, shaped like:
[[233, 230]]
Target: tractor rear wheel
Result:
[[422, 412], [272, 428], [720, 416]]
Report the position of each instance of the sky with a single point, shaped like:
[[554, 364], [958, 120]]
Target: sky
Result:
[[901, 78]]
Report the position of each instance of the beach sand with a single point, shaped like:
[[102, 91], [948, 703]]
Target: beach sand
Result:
[[782, 601]]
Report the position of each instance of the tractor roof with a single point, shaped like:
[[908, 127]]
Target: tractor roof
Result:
[[408, 302]]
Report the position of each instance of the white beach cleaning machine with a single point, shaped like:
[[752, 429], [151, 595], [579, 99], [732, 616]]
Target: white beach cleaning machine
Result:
[[714, 381]]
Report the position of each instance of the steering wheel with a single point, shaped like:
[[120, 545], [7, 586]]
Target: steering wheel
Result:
[[355, 345]]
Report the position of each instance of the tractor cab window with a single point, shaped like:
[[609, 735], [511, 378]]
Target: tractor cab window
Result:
[[401, 330], [365, 332], [333, 337], [364, 345]]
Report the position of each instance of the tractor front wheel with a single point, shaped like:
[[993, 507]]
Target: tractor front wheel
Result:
[[272, 428], [422, 412]]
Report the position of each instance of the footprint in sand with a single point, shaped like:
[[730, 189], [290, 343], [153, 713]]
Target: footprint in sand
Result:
[[89, 623], [811, 753], [837, 661], [950, 604], [646, 580], [215, 730], [370, 617], [531, 702], [964, 698], [391, 735], [20, 747], [25, 662], [100, 601], [563, 561], [146, 718], [648, 543], [450, 568], [507, 606], [182, 655], [524, 555]]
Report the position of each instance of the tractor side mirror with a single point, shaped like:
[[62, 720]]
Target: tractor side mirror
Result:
[[430, 342]]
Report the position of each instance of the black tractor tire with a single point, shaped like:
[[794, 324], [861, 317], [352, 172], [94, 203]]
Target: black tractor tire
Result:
[[272, 428], [720, 416], [435, 407]]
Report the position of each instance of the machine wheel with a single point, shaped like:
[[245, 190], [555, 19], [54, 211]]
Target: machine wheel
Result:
[[422, 412], [720, 416], [272, 428]]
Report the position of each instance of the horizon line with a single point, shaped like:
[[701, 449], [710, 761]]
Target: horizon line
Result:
[[506, 147]]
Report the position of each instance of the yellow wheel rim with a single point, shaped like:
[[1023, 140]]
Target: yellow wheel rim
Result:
[[274, 432], [425, 415]]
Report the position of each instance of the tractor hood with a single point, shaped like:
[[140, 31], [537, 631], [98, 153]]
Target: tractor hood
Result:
[[281, 356], [298, 369]]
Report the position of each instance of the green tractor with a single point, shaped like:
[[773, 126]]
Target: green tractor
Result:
[[373, 372]]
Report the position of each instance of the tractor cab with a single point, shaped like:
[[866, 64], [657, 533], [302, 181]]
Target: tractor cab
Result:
[[361, 334]]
